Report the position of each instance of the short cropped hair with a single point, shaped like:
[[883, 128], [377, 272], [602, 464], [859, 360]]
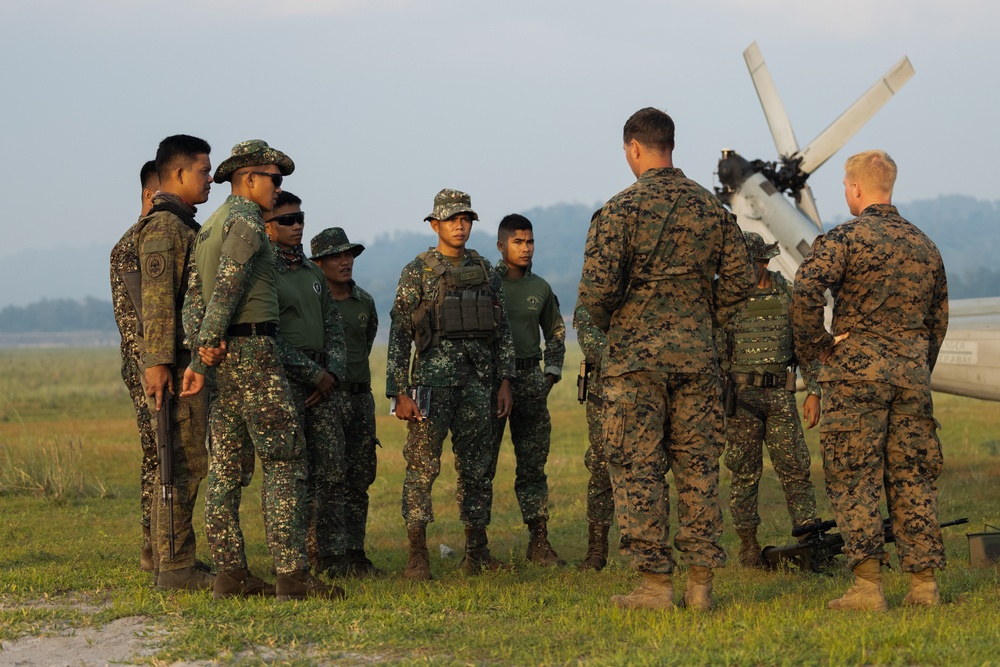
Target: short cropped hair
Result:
[[512, 223], [651, 128], [286, 198], [147, 173], [873, 169], [176, 148]]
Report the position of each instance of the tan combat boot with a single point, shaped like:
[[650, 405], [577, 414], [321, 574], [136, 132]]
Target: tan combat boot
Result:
[[655, 592], [184, 579], [866, 594], [597, 548], [750, 549], [302, 584], [540, 550], [923, 590], [477, 554], [240, 583], [418, 566], [698, 594]]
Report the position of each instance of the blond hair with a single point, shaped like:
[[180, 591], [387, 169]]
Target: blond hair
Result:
[[873, 170]]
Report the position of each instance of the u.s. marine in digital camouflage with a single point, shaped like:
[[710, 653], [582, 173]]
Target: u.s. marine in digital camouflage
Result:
[[457, 353], [890, 315], [757, 356], [648, 267]]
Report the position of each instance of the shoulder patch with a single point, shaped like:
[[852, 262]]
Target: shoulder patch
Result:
[[154, 265], [317, 288]]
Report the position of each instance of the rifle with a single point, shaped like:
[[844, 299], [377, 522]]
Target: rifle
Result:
[[582, 380], [165, 460], [816, 548]]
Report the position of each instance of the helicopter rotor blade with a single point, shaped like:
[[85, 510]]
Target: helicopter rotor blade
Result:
[[806, 203], [774, 110], [846, 126]]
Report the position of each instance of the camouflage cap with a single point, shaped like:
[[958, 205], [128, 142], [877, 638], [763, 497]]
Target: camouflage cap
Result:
[[451, 202], [252, 153], [331, 241], [760, 250]]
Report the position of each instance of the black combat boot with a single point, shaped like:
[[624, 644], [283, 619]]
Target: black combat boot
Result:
[[359, 566], [597, 548], [540, 551], [477, 554], [418, 566]]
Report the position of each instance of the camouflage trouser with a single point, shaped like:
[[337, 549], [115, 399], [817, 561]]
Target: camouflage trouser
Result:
[[600, 499], [324, 433], [767, 416], [360, 464], [132, 376], [253, 411], [466, 411], [190, 464], [655, 422], [870, 432], [530, 430]]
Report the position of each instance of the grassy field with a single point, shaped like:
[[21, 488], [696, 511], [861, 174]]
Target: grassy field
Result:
[[70, 535]]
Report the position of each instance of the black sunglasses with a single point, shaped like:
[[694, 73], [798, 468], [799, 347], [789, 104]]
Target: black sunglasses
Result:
[[289, 219], [275, 178]]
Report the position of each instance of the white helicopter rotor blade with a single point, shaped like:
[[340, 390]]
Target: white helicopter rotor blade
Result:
[[774, 110], [846, 126], [807, 204]]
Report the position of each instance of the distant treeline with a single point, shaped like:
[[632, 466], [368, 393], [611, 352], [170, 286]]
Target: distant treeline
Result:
[[52, 315]]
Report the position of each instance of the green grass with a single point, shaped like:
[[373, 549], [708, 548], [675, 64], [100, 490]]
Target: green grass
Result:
[[73, 560]]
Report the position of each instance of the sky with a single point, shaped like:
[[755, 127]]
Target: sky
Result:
[[381, 103]]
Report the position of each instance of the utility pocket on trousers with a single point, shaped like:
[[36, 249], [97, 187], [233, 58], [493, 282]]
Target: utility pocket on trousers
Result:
[[619, 412]]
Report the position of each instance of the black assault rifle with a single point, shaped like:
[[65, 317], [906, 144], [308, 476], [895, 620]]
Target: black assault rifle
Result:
[[817, 548], [165, 460]]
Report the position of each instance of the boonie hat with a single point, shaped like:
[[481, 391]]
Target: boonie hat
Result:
[[760, 250], [332, 241], [451, 202], [252, 153]]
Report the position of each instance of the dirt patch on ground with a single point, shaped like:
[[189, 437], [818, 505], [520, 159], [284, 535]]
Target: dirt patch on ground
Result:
[[120, 642]]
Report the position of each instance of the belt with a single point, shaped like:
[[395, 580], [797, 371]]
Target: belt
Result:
[[525, 364], [758, 379], [253, 329], [354, 387]]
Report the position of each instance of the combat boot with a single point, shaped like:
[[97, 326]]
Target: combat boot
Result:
[[923, 590], [477, 554], [655, 592], [540, 550], [359, 566], [750, 555], [418, 566], [184, 579], [866, 594], [698, 594], [302, 584], [240, 583], [597, 548], [146, 553], [334, 566]]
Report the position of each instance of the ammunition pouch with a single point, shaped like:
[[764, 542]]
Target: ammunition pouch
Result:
[[464, 307]]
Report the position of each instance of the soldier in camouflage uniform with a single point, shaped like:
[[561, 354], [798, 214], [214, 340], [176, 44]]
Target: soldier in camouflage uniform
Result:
[[647, 282], [312, 351], [233, 303], [758, 358], [163, 241], [890, 316], [449, 306], [335, 256], [125, 260], [532, 306], [600, 498]]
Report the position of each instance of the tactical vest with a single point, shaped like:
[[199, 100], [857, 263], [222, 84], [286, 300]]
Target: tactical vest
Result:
[[760, 335], [464, 306]]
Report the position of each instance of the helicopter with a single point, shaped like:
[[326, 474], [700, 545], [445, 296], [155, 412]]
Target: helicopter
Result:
[[774, 199]]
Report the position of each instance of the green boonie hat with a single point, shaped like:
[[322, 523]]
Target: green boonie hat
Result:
[[252, 153], [760, 250], [332, 241], [451, 202]]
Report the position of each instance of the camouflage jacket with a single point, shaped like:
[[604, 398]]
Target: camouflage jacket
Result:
[[163, 241], [648, 267], [125, 259], [312, 308], [533, 312], [889, 292], [206, 323], [592, 340], [450, 363]]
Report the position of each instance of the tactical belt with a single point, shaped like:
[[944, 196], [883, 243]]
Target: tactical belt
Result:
[[525, 364], [354, 387], [253, 329], [759, 379]]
